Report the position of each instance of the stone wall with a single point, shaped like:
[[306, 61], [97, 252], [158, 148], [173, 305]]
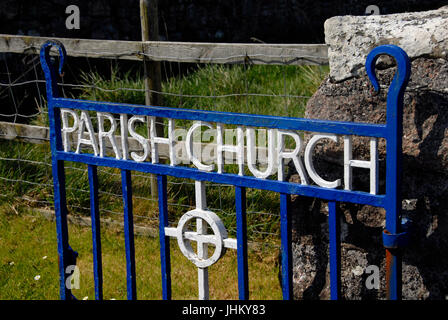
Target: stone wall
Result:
[[420, 34], [425, 165]]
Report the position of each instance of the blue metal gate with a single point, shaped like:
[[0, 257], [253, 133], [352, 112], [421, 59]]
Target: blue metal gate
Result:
[[393, 235]]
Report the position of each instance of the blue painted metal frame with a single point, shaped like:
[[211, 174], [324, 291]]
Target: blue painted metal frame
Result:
[[394, 154], [96, 232], [126, 184], [286, 246], [391, 201], [335, 250], [241, 234], [164, 240]]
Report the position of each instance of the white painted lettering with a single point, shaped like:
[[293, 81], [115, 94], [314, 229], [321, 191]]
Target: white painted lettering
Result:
[[309, 161], [85, 122], [66, 129], [107, 134], [139, 138]]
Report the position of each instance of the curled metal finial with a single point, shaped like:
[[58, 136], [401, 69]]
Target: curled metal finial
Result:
[[48, 66], [45, 54], [403, 73]]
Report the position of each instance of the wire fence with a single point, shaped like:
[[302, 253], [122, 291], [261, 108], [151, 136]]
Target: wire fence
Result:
[[25, 168]]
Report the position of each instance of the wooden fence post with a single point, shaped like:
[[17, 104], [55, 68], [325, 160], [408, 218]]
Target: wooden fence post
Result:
[[152, 69]]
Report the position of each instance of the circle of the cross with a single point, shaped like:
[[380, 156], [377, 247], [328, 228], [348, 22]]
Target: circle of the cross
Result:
[[219, 234]]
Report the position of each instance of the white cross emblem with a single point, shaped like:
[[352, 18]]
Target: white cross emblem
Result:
[[219, 239]]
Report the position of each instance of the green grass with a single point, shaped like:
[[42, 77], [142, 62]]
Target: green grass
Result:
[[222, 80], [219, 88], [27, 238]]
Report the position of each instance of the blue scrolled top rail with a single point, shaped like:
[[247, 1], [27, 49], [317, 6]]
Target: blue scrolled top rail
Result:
[[392, 131]]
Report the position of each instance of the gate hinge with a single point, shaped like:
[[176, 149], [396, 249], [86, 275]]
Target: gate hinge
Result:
[[397, 240]]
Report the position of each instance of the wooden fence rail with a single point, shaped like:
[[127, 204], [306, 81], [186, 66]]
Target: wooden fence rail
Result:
[[191, 52]]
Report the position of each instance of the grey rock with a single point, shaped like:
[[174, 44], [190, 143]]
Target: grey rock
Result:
[[420, 34]]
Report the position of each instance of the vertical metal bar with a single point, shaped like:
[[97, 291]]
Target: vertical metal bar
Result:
[[201, 226], [66, 255], [129, 234], [61, 226], [285, 230], [394, 125], [164, 240], [241, 236], [335, 250], [393, 193], [393, 274], [96, 232], [393, 207], [203, 279]]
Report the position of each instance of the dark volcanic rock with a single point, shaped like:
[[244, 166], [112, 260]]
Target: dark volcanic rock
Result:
[[425, 189]]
